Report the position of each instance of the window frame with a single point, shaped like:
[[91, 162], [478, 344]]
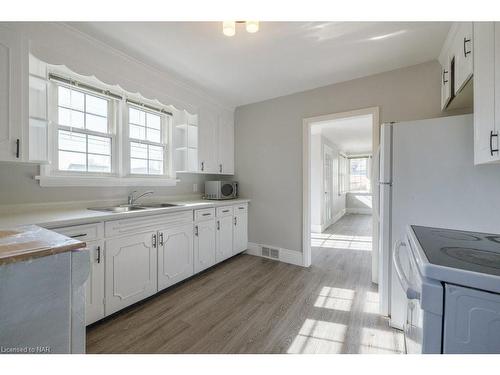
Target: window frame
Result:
[[54, 131], [165, 137]]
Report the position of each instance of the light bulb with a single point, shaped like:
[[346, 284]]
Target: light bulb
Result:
[[252, 26], [229, 28]]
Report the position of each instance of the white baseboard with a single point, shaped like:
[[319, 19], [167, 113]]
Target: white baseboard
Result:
[[360, 211], [286, 256], [316, 228]]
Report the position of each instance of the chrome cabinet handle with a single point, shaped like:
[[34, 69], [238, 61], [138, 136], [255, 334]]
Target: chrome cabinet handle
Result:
[[235, 221], [218, 225], [161, 239], [465, 50], [18, 143], [196, 230], [78, 235], [98, 254], [154, 240], [206, 214], [444, 74], [202, 166], [220, 168]]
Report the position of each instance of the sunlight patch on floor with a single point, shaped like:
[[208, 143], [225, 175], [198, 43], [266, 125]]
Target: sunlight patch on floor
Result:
[[341, 242], [371, 303], [318, 336], [335, 298], [375, 340]]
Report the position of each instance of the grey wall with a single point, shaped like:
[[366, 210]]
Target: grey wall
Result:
[[268, 141], [17, 186]]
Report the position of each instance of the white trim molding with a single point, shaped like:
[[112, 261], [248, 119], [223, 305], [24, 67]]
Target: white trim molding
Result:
[[285, 255], [321, 228], [359, 210]]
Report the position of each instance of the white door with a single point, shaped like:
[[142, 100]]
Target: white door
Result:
[[11, 94], [204, 245], [175, 255], [226, 144], [327, 186], [485, 98], [207, 142], [131, 270], [240, 229], [94, 288], [224, 238]]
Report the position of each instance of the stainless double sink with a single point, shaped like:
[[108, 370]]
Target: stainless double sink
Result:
[[139, 207]]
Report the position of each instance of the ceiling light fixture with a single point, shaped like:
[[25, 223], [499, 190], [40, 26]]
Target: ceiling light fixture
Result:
[[229, 27]]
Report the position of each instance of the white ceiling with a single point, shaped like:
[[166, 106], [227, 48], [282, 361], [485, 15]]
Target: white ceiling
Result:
[[352, 135], [282, 58]]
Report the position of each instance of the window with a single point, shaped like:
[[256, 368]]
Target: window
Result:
[[147, 143], [343, 172], [84, 141], [359, 176]]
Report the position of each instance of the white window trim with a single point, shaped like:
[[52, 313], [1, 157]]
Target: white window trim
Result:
[[50, 176]]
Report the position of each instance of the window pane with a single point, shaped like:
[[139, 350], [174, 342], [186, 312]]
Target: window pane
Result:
[[96, 123], [155, 153], [138, 166], [99, 163], [64, 96], [72, 141], [155, 167], [154, 135], [97, 105], [72, 161], [136, 116], [153, 121], [138, 150], [137, 132], [99, 145], [71, 118]]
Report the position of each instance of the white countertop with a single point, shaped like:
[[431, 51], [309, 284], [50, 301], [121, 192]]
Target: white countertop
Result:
[[73, 213]]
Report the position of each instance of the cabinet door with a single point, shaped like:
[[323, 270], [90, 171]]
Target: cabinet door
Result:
[[94, 288], [464, 55], [207, 142], [204, 245], [226, 144], [485, 139], [131, 270], [11, 94], [175, 255], [240, 231], [224, 238], [446, 83]]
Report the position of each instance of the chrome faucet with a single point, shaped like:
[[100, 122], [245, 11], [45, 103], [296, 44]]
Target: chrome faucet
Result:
[[132, 199]]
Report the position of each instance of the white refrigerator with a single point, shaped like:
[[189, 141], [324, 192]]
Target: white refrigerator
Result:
[[427, 177]]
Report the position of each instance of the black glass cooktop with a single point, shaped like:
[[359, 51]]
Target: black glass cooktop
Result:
[[471, 251]]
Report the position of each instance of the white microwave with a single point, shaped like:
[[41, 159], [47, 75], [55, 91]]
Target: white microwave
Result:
[[221, 190]]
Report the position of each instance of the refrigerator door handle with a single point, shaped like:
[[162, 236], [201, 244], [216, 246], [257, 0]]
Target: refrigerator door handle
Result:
[[385, 183]]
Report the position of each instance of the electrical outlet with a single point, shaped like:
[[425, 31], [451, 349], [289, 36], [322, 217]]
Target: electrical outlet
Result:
[[195, 188]]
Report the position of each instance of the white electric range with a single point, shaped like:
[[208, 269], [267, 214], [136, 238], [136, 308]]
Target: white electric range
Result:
[[451, 280]]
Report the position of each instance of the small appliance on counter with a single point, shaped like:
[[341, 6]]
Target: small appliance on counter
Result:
[[451, 280], [219, 190]]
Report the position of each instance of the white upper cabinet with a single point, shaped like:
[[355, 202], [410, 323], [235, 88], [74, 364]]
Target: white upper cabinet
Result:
[[226, 144], [13, 95], [464, 56], [208, 156], [456, 60], [486, 92]]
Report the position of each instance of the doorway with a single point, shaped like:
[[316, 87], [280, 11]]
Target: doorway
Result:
[[337, 180]]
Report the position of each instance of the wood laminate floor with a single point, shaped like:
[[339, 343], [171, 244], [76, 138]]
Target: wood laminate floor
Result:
[[250, 304]]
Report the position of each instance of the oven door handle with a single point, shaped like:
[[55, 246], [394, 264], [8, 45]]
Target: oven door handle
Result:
[[403, 280]]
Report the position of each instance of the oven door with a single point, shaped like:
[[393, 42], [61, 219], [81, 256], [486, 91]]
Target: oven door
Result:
[[227, 190], [411, 283]]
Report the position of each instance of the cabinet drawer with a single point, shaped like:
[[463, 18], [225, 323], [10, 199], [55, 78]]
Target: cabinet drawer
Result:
[[240, 208], [145, 223], [86, 232], [224, 211], [204, 214]]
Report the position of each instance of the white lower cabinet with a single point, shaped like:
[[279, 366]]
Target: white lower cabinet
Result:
[[94, 288], [204, 245], [131, 270], [240, 237], [224, 238], [175, 255]]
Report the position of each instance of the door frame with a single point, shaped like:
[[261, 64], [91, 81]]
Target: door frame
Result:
[[327, 150], [306, 179]]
